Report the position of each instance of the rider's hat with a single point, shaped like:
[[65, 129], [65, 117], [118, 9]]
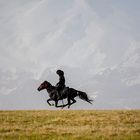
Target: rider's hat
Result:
[[60, 72]]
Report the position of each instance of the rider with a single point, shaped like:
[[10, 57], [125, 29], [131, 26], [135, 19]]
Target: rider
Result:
[[61, 84]]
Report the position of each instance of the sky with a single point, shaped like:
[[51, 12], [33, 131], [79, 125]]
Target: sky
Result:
[[95, 42]]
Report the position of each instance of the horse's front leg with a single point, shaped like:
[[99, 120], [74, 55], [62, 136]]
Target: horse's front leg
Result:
[[56, 104], [49, 102]]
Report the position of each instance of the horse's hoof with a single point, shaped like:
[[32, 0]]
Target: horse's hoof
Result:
[[52, 104]]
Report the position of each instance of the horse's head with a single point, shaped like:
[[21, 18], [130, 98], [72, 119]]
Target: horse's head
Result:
[[44, 85]]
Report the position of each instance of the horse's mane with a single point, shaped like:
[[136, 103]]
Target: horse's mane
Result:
[[48, 83]]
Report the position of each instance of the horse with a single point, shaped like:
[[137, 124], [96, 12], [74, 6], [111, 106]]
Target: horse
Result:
[[69, 93]]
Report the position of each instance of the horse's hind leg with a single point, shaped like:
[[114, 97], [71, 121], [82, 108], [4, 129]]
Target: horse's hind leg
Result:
[[69, 102], [74, 101]]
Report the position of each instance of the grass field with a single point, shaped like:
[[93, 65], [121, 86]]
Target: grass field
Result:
[[70, 125]]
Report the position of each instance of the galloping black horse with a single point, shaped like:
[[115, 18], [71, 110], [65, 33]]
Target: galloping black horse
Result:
[[68, 93]]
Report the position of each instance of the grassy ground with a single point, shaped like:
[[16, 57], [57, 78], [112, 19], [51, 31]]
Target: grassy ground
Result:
[[70, 125]]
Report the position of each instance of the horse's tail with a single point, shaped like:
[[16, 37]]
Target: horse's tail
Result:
[[84, 96]]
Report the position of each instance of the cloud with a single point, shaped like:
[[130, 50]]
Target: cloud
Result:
[[96, 45]]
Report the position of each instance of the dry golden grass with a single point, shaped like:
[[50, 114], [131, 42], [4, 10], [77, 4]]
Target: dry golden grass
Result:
[[71, 125]]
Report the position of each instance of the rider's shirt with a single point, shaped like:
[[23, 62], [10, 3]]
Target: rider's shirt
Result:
[[61, 84]]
